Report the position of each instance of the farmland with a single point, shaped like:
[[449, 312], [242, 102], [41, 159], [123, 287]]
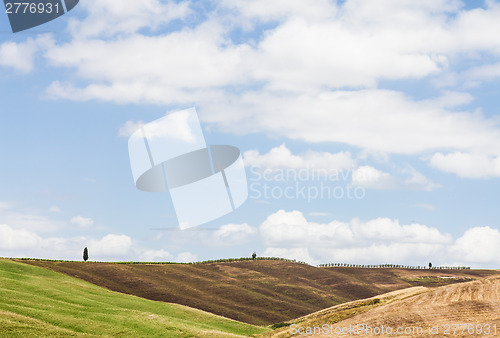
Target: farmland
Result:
[[38, 302], [260, 292]]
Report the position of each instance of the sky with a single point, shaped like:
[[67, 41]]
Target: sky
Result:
[[369, 130]]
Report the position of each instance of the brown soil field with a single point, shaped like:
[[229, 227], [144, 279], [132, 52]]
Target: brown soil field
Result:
[[470, 309], [260, 292]]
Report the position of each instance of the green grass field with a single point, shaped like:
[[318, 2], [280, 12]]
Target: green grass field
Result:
[[38, 302]]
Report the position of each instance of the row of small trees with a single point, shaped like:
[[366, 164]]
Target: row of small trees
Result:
[[222, 260], [393, 266], [328, 265], [228, 260]]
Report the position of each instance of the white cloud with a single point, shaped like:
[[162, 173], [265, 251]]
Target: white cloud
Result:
[[129, 127], [299, 254], [378, 120], [155, 256], [162, 255], [312, 73], [21, 56], [313, 76], [18, 242], [300, 56], [110, 246], [478, 245], [292, 229], [186, 257], [467, 165], [393, 253], [178, 126], [110, 17], [147, 65], [450, 99], [418, 181], [380, 240], [385, 229], [484, 72], [409, 178], [82, 222], [17, 239], [231, 233], [369, 177], [262, 10], [281, 157], [319, 213], [29, 220]]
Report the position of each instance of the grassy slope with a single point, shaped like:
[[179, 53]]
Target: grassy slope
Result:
[[257, 292], [38, 302]]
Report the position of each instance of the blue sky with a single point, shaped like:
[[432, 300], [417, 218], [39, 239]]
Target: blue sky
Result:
[[399, 97]]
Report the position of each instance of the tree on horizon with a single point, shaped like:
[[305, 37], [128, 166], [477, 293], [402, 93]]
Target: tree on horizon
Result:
[[85, 254]]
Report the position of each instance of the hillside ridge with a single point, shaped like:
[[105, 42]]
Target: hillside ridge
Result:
[[260, 292]]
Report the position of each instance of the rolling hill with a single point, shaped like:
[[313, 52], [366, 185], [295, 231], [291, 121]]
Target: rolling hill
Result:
[[37, 302], [475, 303], [260, 292]]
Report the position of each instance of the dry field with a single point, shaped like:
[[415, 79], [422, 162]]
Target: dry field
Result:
[[475, 303], [256, 292]]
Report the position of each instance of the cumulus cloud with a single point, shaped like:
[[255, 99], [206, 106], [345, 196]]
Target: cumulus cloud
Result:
[[312, 76], [281, 157], [374, 119], [477, 245], [21, 56], [416, 180], [186, 257], [232, 233], [298, 254], [129, 127], [155, 256], [292, 227], [263, 11], [335, 166], [178, 126], [319, 213], [312, 72], [484, 72], [380, 240], [17, 239], [111, 246], [18, 242], [162, 255], [29, 220], [369, 177], [467, 165], [108, 17], [409, 178]]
